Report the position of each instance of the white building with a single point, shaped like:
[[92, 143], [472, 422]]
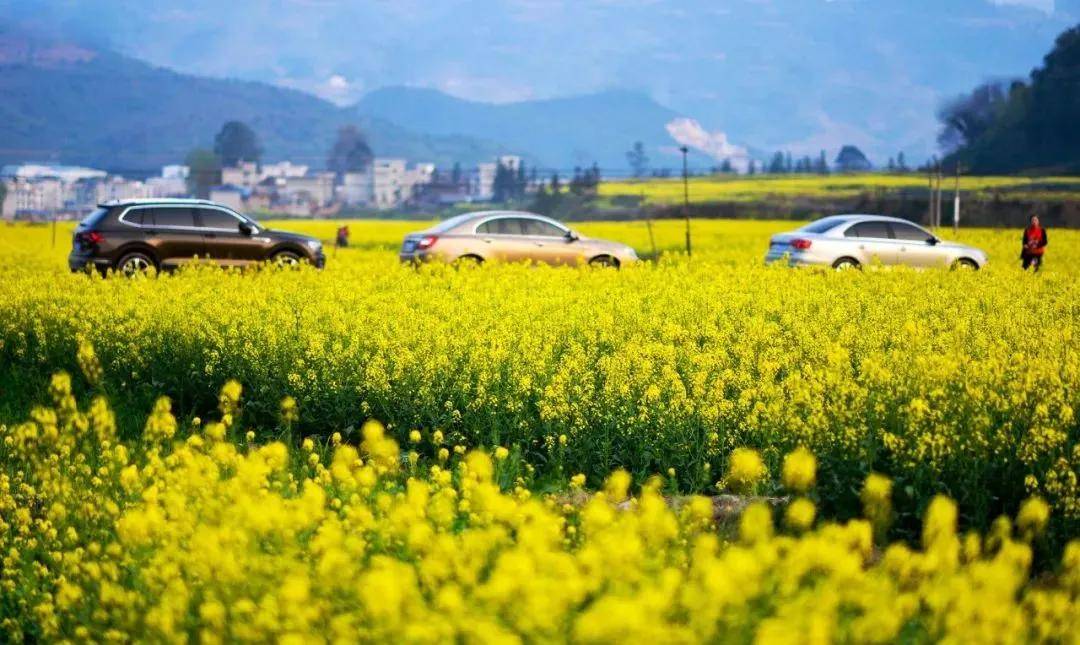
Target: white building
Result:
[[230, 196], [283, 170], [119, 188], [316, 189], [66, 174], [356, 189], [483, 183], [175, 171], [32, 197], [249, 173], [246, 175], [171, 183]]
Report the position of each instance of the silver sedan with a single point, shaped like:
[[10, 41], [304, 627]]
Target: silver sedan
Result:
[[852, 241]]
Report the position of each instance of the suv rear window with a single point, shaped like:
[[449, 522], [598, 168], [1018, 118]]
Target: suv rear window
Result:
[[94, 218]]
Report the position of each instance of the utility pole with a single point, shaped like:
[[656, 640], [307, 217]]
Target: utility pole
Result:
[[930, 197], [686, 196], [937, 192], [956, 204]]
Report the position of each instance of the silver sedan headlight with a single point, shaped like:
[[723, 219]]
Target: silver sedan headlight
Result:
[[314, 245]]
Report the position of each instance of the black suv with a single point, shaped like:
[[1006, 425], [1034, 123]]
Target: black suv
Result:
[[132, 236]]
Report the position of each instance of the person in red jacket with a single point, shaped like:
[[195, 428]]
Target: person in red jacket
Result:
[[1034, 242]]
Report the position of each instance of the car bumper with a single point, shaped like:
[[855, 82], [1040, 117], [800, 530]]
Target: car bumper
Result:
[[795, 259], [78, 261], [415, 257]]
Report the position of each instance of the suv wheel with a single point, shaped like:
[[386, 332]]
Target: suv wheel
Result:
[[135, 264], [286, 258]]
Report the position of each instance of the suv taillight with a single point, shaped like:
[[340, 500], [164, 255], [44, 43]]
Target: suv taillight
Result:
[[800, 244], [91, 238], [427, 242]]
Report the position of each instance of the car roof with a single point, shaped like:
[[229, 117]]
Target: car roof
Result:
[[507, 213], [852, 218]]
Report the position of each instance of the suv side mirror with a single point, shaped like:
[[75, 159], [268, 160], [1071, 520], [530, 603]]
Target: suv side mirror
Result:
[[933, 241], [245, 228], [571, 236]]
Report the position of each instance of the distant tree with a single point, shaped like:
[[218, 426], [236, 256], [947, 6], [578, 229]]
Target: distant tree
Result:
[[1022, 125], [751, 168], [556, 185], [891, 166], [576, 186], [776, 166], [592, 177], [901, 163], [543, 201], [236, 142], [726, 168], [503, 186], [204, 172], [520, 182], [788, 167], [821, 166], [638, 159], [455, 174], [851, 159], [966, 118], [351, 152]]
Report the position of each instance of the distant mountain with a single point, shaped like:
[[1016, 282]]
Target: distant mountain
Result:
[[64, 102], [557, 133]]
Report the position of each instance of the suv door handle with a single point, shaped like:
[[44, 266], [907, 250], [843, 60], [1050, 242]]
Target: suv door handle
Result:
[[213, 235], [488, 240], [539, 243]]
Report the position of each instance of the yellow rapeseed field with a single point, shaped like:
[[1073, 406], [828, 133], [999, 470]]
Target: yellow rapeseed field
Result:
[[376, 452], [196, 533], [746, 189]]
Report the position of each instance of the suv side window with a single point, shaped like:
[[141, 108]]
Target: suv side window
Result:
[[878, 230], [909, 233], [138, 217], [542, 228], [172, 217], [214, 218]]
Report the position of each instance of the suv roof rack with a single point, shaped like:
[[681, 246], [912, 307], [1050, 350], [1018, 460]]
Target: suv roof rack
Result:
[[155, 200]]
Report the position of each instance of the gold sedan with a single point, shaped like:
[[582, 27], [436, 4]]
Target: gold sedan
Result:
[[510, 236]]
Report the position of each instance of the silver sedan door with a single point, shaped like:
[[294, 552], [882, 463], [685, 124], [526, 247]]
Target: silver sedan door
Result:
[[916, 246], [871, 239]]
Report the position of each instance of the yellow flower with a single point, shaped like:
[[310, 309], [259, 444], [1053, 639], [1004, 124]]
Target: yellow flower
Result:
[[876, 499], [288, 410], [745, 470], [414, 436], [501, 453], [800, 470], [755, 524], [229, 398], [1033, 516], [799, 515]]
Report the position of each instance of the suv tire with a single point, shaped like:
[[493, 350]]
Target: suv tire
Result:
[[135, 263]]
